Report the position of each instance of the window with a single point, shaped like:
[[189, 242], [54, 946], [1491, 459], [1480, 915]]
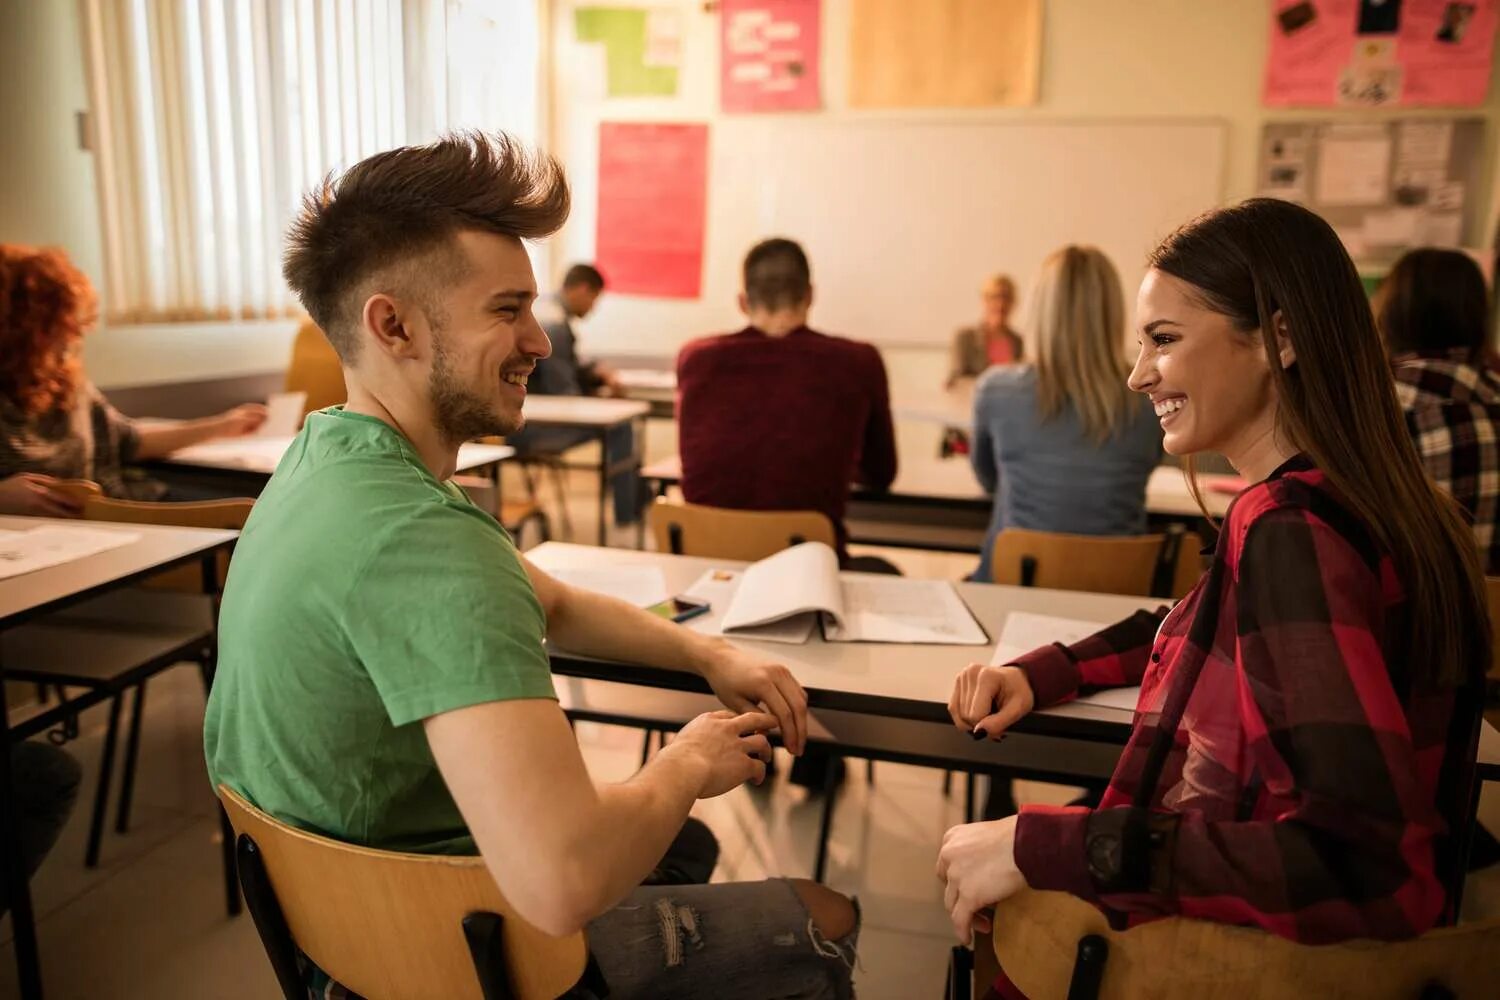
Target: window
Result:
[[213, 117]]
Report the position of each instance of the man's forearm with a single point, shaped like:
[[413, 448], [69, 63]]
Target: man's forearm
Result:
[[596, 625], [160, 440], [633, 825]]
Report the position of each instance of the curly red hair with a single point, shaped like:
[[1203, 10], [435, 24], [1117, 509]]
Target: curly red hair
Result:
[[46, 306]]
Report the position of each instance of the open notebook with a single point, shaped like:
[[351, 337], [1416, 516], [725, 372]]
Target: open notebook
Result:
[[783, 597]]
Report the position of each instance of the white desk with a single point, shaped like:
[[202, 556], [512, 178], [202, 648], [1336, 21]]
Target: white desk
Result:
[[897, 680], [260, 455], [597, 416], [657, 387], [27, 597], [937, 503]]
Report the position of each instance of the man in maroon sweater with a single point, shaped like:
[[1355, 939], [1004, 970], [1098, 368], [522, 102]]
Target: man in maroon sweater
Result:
[[777, 416]]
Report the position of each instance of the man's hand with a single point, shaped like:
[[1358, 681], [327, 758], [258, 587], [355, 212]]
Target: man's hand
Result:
[[732, 749], [986, 701], [978, 863], [240, 421], [745, 683], [32, 494]]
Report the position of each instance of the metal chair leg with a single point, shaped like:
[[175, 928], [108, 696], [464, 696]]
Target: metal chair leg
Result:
[[232, 901], [969, 797], [825, 826], [947, 783], [101, 793], [869, 771], [960, 974], [646, 746], [132, 754]]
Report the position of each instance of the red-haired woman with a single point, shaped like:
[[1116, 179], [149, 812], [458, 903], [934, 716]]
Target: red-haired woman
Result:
[[1304, 742], [54, 424]]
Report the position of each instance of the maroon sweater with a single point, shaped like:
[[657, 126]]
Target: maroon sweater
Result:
[[783, 423]]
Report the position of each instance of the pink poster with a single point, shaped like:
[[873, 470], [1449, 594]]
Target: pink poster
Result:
[[653, 188], [769, 55], [1375, 53]]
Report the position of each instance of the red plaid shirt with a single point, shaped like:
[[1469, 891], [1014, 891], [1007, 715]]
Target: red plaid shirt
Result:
[[1453, 413], [1301, 782]]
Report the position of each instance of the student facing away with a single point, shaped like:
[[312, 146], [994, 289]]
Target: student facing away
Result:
[[1433, 312], [779, 416], [1061, 441], [404, 699], [1314, 700]]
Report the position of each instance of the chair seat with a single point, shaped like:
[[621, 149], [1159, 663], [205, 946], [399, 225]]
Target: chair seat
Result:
[[113, 641], [925, 744]]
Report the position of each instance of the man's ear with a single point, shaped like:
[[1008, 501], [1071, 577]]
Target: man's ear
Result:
[[744, 301], [384, 320], [1284, 346]]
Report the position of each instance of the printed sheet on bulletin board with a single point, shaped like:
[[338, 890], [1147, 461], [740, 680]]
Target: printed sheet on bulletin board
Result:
[[769, 59], [1384, 186], [1380, 53], [653, 192]]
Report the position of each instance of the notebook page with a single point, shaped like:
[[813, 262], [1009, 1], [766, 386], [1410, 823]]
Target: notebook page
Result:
[[893, 609]]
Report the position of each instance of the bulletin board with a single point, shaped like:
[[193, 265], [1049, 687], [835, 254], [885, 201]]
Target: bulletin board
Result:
[[1386, 187]]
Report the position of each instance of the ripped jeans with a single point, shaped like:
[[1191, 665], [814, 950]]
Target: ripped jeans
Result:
[[728, 941]]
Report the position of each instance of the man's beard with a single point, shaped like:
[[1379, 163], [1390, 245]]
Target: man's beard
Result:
[[461, 415]]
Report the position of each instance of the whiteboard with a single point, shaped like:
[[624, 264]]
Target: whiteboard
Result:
[[903, 219]]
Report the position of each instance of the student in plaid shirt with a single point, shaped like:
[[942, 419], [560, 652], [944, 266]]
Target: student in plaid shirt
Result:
[[1305, 738], [1432, 310]]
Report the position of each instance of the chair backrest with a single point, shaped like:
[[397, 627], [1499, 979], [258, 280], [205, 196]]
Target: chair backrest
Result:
[[1188, 566], [687, 529], [1094, 563], [81, 490], [1038, 934], [315, 370], [390, 925], [1492, 686], [226, 514]]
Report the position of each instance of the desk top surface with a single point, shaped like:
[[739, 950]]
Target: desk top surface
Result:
[[952, 479], [31, 594], [582, 411], [890, 671], [261, 455]]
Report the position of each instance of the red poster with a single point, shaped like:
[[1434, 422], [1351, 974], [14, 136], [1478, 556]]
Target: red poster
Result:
[[653, 188], [769, 55], [1375, 53]]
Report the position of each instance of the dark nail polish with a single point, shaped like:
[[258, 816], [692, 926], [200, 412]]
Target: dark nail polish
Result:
[[979, 734]]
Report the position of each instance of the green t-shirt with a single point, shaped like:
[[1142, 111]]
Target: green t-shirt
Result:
[[364, 596]]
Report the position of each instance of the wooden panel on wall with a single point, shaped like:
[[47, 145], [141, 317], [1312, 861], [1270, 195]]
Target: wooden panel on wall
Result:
[[944, 53]]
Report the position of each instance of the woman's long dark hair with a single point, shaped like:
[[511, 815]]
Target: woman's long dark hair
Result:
[[1264, 260], [1434, 300]]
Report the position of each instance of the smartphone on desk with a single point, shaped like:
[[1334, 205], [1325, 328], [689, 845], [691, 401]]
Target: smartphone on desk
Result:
[[679, 609]]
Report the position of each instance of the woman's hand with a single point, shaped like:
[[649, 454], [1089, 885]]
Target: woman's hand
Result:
[[987, 701], [240, 421], [978, 864], [32, 494]]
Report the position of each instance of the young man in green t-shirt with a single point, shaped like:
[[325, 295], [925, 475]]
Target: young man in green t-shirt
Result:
[[381, 675]]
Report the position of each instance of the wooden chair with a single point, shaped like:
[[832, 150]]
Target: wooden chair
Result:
[[390, 925], [1187, 567], [687, 529], [79, 489], [1093, 563], [1492, 686], [315, 370], [119, 642], [1052, 944]]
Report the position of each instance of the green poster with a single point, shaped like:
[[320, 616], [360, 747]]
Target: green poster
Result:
[[634, 60]]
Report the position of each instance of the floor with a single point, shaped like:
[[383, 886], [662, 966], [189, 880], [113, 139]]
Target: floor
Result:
[[150, 921]]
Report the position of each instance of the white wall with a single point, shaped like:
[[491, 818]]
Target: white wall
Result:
[[1102, 59]]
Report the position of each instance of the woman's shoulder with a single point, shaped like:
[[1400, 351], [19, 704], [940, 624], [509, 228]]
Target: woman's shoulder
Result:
[[1298, 500], [1004, 380]]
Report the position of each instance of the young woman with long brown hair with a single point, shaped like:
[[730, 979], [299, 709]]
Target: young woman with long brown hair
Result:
[[1304, 741]]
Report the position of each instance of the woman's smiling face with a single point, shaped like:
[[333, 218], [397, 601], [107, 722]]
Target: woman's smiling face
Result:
[[1210, 382]]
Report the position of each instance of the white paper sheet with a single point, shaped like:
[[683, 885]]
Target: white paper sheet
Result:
[[1024, 631], [283, 414], [1119, 699], [40, 548], [641, 586], [1354, 171], [881, 609]]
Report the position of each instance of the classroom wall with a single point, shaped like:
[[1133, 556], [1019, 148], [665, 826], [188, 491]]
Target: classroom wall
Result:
[[1102, 59]]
